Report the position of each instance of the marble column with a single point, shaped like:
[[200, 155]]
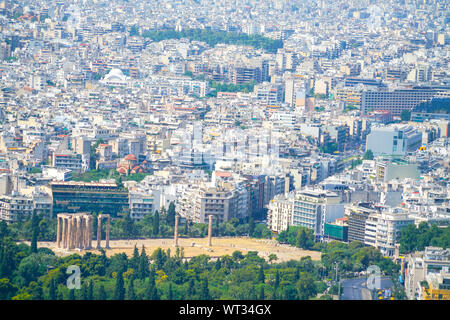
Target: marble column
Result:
[[108, 229], [64, 232], [77, 233], [86, 234], [99, 231], [58, 232], [73, 232], [80, 232], [69, 226], [68, 232], [89, 244], [210, 230]]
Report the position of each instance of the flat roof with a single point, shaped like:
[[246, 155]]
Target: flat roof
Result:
[[80, 183]]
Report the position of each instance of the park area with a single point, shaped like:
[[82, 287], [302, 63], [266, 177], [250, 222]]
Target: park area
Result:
[[197, 246]]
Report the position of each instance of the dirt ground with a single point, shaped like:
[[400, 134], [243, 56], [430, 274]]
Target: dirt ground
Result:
[[196, 246]]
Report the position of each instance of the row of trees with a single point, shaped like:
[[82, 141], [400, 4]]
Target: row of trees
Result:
[[230, 87], [42, 228], [354, 257], [161, 224], [96, 175], [212, 37], [297, 236]]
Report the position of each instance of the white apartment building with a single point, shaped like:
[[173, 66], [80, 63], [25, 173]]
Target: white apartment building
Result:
[[308, 208], [279, 215], [140, 205], [223, 203], [15, 208], [69, 161], [383, 229], [58, 174]]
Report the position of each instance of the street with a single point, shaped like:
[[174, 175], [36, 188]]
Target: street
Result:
[[355, 289]]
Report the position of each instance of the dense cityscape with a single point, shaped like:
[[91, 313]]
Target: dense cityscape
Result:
[[224, 150]]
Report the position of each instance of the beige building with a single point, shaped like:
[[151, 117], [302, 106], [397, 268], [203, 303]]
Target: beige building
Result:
[[279, 215]]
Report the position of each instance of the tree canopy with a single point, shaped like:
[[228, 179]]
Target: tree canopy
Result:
[[215, 37]]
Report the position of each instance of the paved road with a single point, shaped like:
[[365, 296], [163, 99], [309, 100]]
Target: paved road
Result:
[[355, 289], [352, 289]]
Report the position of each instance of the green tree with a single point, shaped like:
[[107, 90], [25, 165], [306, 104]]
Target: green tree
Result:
[[302, 240], [289, 292], [34, 290], [368, 155], [52, 290], [170, 218], [261, 277], [84, 291], [134, 261], [405, 115], [156, 224], [297, 274], [272, 257], [90, 293], [129, 228], [190, 292], [204, 290], [277, 280], [119, 290], [261, 293], [101, 293], [237, 256], [35, 232], [170, 293], [159, 258], [131, 295], [151, 292], [251, 227], [7, 289], [143, 265], [71, 294], [218, 264], [305, 286], [408, 238]]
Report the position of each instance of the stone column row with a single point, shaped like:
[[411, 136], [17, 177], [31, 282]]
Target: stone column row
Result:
[[74, 231]]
